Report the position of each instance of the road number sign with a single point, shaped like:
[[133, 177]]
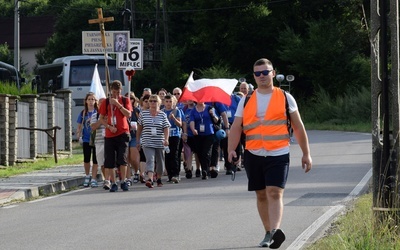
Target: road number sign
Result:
[[134, 58]]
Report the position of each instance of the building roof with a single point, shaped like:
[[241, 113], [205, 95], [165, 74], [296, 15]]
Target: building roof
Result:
[[34, 31]]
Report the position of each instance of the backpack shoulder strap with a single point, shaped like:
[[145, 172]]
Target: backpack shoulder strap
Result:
[[247, 98], [288, 122]]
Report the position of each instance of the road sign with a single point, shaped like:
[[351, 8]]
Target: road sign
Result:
[[134, 58], [116, 42]]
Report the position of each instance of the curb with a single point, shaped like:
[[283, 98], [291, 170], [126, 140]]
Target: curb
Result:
[[25, 193]]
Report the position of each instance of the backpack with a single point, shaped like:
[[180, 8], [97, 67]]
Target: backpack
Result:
[[288, 122]]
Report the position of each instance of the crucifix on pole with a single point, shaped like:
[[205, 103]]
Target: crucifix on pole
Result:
[[101, 20]]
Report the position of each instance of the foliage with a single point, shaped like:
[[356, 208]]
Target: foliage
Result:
[[5, 54], [357, 230], [12, 89], [350, 108], [324, 44]]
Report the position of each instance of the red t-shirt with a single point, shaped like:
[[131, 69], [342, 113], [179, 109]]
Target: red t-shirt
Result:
[[121, 121]]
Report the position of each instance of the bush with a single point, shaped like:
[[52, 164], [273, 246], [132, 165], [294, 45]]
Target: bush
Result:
[[352, 107]]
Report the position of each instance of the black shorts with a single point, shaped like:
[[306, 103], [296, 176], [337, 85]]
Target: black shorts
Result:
[[116, 151], [266, 171]]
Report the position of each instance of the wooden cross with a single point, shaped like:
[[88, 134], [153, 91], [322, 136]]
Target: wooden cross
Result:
[[101, 20]]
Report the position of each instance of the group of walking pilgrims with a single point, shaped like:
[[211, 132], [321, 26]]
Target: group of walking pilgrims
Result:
[[147, 139]]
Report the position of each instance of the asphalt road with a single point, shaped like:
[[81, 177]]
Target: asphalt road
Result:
[[196, 214]]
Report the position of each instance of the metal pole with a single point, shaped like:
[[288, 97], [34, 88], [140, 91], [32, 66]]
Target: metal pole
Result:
[[16, 35]]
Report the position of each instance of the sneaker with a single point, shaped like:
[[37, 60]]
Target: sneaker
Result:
[[213, 173], [175, 179], [114, 188], [149, 184], [159, 183], [124, 186], [277, 238], [188, 174], [136, 178], [229, 172], [204, 175], [86, 182], [94, 184], [128, 182], [266, 242], [107, 185], [198, 174]]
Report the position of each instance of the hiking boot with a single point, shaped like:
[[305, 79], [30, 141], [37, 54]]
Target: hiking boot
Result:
[[277, 238], [266, 242], [124, 186], [86, 182], [114, 188]]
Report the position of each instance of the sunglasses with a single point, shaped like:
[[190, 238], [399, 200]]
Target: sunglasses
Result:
[[177, 93], [264, 72], [146, 89], [152, 100]]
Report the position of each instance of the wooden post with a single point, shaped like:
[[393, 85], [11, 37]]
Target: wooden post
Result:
[[101, 20]]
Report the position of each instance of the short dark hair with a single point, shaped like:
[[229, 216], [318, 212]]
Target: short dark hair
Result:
[[117, 85], [263, 61]]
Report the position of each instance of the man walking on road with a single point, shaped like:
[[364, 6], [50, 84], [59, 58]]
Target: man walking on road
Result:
[[117, 109], [262, 116]]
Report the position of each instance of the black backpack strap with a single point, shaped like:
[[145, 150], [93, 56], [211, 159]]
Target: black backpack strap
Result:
[[288, 122]]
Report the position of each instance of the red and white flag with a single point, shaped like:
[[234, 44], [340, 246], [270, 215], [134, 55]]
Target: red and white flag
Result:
[[208, 90], [96, 86]]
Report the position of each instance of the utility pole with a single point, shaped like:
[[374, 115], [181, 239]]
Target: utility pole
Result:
[[385, 69], [16, 35]]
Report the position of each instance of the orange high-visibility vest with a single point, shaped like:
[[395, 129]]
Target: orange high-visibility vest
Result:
[[271, 133]]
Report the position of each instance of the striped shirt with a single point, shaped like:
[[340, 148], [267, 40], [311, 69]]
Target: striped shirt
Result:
[[100, 131], [153, 128]]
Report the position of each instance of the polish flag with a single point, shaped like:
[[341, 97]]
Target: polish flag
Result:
[[208, 90], [96, 86]]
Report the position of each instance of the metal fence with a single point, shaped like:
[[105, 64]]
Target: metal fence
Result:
[[23, 150], [42, 118], [60, 121], [23, 143]]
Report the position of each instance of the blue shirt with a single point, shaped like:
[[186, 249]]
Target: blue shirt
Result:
[[231, 110], [86, 129], [202, 118], [174, 130]]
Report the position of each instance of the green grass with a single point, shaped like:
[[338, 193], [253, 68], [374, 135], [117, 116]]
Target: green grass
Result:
[[43, 163], [357, 229]]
